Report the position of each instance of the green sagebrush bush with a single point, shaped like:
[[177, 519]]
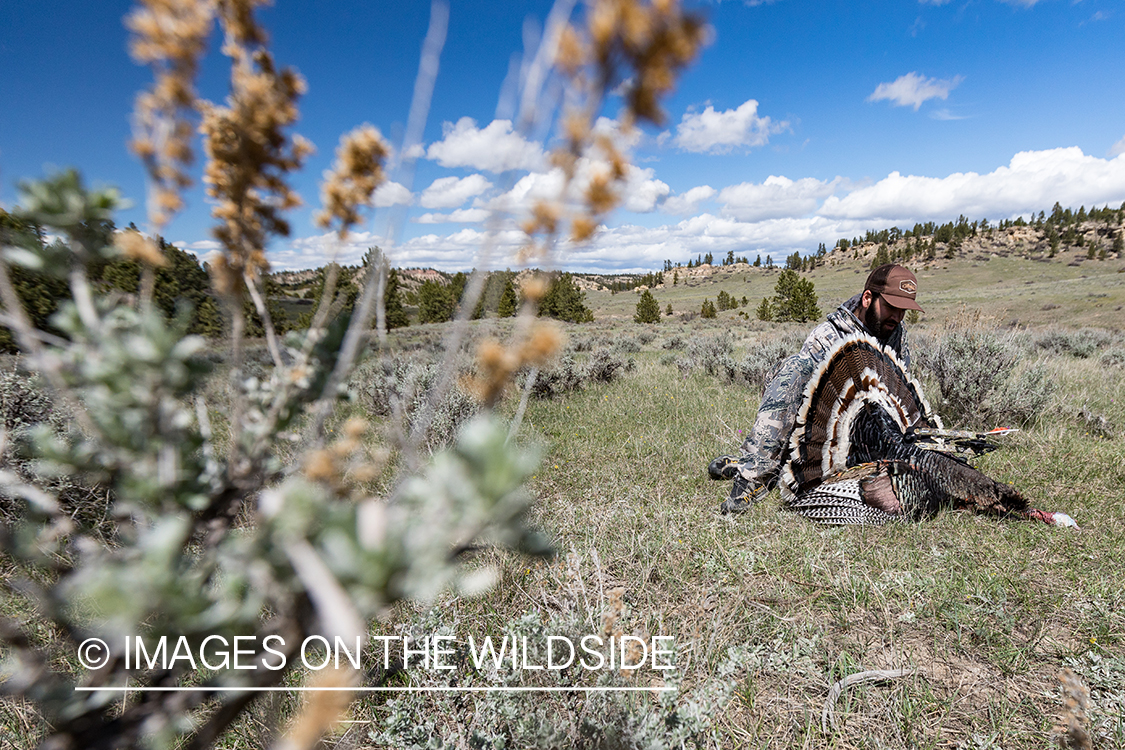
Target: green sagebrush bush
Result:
[[679, 716], [627, 345], [674, 342], [978, 380], [26, 408], [605, 366], [713, 355], [249, 521], [567, 374], [762, 361], [1083, 343], [1114, 357], [401, 387], [208, 539], [676, 718]]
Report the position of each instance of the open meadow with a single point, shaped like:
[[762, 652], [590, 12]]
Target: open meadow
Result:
[[767, 611], [971, 618]]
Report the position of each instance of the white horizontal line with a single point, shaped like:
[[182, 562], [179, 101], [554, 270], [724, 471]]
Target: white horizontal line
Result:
[[435, 689]]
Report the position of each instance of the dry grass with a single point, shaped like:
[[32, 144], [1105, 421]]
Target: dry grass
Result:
[[985, 612]]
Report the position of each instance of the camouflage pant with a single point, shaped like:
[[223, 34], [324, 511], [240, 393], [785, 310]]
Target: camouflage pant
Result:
[[759, 464]]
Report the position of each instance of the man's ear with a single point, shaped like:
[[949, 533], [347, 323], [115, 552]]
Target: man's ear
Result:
[[865, 300]]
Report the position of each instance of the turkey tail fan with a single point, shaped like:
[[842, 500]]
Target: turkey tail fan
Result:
[[858, 376]]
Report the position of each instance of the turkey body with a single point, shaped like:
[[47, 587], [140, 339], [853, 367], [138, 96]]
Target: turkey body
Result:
[[852, 459]]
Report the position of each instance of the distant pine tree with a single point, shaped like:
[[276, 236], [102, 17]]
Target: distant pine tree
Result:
[[648, 309], [509, 303], [708, 309], [882, 257], [435, 303], [794, 298], [392, 303], [765, 310], [565, 301]]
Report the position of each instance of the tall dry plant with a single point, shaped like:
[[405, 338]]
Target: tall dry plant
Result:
[[214, 537]]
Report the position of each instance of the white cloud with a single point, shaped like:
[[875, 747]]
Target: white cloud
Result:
[[202, 246], [460, 216], [496, 148], [624, 140], [720, 132], [392, 194], [317, 250], [1032, 181], [913, 89], [451, 192], [688, 203], [775, 198], [776, 217], [945, 114], [636, 248], [642, 191], [1118, 148], [529, 189], [461, 250], [201, 249]]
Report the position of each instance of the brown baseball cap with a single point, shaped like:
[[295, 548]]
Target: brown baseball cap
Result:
[[896, 285]]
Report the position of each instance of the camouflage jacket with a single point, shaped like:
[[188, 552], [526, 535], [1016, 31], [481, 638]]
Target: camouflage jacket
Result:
[[765, 448]]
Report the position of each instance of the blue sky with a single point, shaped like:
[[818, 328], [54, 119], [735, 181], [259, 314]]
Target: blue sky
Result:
[[800, 123]]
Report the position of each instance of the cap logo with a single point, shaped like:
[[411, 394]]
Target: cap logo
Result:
[[908, 286]]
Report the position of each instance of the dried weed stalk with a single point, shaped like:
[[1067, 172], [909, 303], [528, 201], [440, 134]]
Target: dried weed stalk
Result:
[[640, 47], [248, 151], [355, 175], [1074, 734], [171, 36]]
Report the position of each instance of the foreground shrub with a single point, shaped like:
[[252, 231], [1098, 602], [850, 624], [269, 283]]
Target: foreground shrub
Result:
[[711, 354], [762, 361], [222, 529], [567, 374], [401, 388], [973, 368]]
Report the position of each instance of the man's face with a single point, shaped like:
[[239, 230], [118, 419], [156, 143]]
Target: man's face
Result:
[[881, 318]]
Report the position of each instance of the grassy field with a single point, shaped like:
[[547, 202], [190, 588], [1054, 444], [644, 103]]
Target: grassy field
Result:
[[983, 613], [1062, 291], [767, 611]]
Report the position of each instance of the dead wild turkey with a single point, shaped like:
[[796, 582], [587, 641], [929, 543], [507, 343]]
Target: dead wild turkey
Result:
[[857, 454]]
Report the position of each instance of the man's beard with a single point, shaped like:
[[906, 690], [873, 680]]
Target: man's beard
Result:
[[873, 325]]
